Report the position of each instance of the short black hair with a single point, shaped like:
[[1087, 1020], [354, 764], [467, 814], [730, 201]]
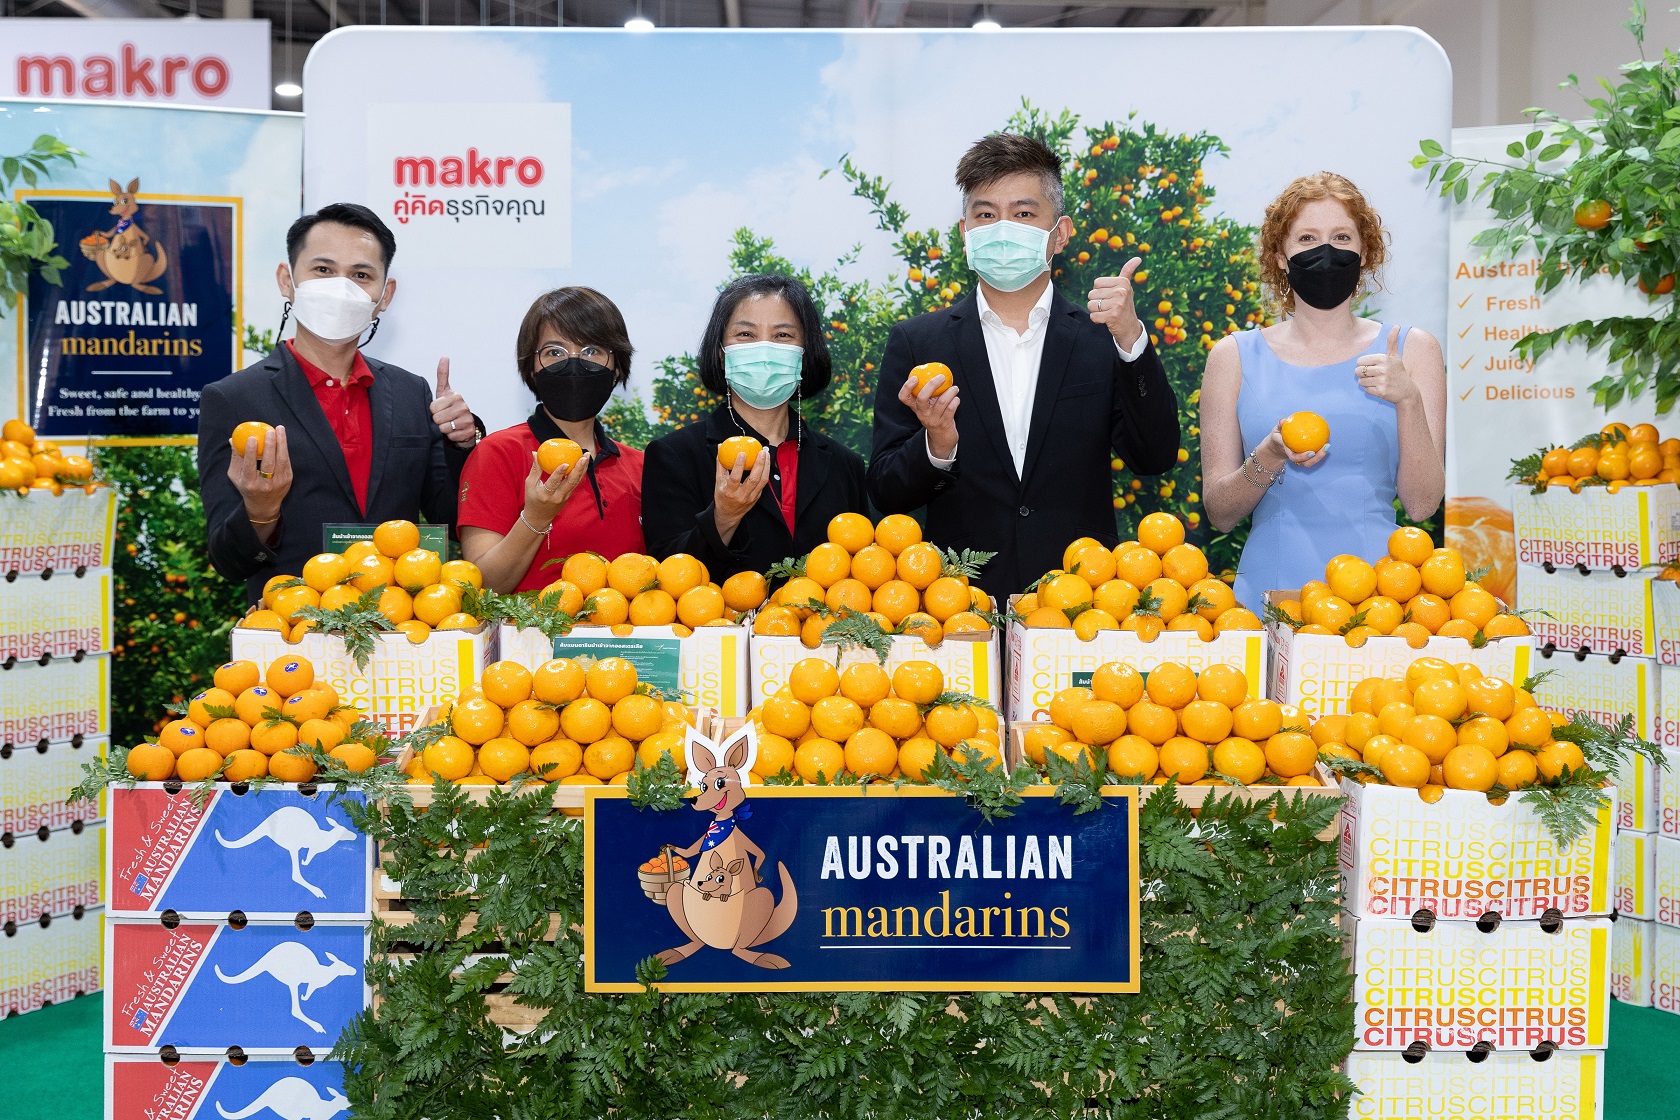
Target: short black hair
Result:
[[815, 370], [352, 214], [581, 314], [1008, 153]]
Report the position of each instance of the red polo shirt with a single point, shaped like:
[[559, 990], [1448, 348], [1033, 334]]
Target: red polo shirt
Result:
[[604, 513], [345, 403]]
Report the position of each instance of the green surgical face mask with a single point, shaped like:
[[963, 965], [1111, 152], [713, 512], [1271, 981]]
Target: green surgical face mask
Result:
[[1008, 255], [765, 374]]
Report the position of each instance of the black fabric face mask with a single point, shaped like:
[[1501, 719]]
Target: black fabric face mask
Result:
[[573, 389], [1324, 276]]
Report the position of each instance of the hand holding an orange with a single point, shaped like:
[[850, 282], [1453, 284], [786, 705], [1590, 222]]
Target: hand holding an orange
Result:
[[930, 391], [1302, 437]]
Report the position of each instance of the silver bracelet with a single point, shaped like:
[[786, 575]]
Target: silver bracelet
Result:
[[1267, 479], [533, 528]]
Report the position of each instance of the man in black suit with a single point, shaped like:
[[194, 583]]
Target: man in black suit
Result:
[[1024, 469], [375, 444]]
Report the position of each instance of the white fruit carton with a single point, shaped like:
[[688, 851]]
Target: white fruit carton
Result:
[[1436, 985], [1603, 687], [1042, 662], [1668, 795], [970, 662], [40, 531], [1636, 875], [1666, 879], [1502, 1086], [1665, 968], [54, 874], [707, 668], [1317, 672], [1601, 612], [402, 679], [66, 697], [35, 779], [1638, 793], [1634, 528], [1463, 857], [51, 963], [58, 615], [1632, 959], [1665, 617]]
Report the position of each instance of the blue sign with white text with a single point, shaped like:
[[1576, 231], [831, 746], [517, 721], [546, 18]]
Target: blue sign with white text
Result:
[[852, 888]]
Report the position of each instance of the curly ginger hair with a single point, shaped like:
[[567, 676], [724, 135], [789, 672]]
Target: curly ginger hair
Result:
[[1281, 214]]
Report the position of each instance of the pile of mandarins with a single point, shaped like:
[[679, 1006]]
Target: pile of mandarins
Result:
[[1176, 724], [863, 722], [1441, 726], [637, 590], [28, 463], [1618, 456], [248, 725], [565, 722], [1416, 592], [885, 571], [1146, 586]]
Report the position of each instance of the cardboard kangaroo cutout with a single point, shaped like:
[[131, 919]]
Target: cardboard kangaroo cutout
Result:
[[722, 903]]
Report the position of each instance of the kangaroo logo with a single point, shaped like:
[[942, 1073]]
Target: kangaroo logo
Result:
[[292, 1098], [294, 829], [125, 253], [294, 965]]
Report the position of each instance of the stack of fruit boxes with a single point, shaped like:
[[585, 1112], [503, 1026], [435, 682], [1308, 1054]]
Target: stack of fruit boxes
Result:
[[1480, 950], [55, 642], [236, 948]]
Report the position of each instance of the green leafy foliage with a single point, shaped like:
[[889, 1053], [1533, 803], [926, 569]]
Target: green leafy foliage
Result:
[[358, 624], [27, 242], [1613, 209]]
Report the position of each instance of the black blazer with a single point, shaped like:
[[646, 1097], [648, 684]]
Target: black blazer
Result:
[[679, 476], [414, 474], [1089, 400]]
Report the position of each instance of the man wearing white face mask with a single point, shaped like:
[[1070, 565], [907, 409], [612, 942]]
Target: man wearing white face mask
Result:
[[1016, 458], [355, 440]]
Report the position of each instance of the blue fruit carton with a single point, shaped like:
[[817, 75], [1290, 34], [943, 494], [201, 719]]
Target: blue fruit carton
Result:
[[267, 989], [267, 853], [143, 1088]]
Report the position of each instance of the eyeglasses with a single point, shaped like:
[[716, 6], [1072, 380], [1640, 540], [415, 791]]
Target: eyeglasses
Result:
[[554, 352]]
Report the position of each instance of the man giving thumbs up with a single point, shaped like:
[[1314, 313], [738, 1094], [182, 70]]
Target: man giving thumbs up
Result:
[[1015, 458], [355, 440]]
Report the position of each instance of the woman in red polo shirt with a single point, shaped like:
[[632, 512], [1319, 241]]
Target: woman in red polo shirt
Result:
[[573, 351]]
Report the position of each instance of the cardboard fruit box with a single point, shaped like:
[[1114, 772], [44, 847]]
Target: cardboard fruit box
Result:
[[1668, 794], [970, 662], [1451, 985], [1604, 687], [1463, 857], [269, 853], [41, 532], [57, 615], [1665, 874], [67, 697], [266, 987], [708, 668], [1600, 612], [50, 962], [51, 872], [205, 1087], [1317, 672], [34, 780], [1042, 662], [1501, 1086], [1638, 794], [402, 679], [1636, 875], [1632, 959], [1665, 967], [1634, 528]]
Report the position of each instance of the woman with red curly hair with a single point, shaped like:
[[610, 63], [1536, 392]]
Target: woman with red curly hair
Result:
[[1382, 388]]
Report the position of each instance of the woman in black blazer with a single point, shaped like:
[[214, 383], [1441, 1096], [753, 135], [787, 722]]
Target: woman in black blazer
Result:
[[764, 351]]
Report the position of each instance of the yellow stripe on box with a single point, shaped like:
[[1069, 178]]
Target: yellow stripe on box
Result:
[[1519, 664], [1642, 688], [982, 667], [1589, 1065], [731, 699], [1251, 667], [1603, 838], [1644, 506], [1599, 957], [464, 665]]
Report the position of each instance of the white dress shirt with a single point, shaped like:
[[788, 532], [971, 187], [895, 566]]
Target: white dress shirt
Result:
[[1015, 359]]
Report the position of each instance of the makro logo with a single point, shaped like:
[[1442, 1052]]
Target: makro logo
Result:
[[470, 170], [130, 75]]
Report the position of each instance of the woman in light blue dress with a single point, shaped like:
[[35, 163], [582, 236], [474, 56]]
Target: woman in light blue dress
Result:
[[1380, 386]]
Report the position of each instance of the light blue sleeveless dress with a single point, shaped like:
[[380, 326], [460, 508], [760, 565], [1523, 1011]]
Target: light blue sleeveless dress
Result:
[[1345, 504]]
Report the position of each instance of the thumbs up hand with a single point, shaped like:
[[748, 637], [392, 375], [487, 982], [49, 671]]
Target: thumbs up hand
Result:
[[1384, 376], [449, 410], [1111, 303]]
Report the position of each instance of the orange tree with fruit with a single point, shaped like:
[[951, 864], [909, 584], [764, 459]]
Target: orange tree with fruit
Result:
[[1132, 189]]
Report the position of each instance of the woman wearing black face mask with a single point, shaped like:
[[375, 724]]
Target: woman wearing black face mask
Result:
[[1381, 387], [573, 350]]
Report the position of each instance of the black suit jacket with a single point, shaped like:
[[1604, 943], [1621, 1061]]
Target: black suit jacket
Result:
[[679, 476], [414, 474], [1089, 401]]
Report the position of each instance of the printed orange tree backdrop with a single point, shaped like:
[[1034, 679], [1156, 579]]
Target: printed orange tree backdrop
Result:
[[1131, 190]]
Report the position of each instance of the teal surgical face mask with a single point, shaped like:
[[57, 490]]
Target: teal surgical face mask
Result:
[[1008, 255], [765, 374]]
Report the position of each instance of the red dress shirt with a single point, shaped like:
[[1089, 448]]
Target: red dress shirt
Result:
[[787, 465], [345, 403]]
